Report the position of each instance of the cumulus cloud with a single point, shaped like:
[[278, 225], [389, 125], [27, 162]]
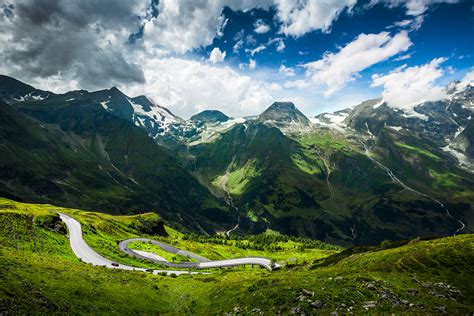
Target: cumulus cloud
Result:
[[417, 7], [255, 50], [286, 71], [301, 16], [185, 25], [467, 80], [94, 45], [261, 27], [252, 64], [216, 56], [57, 39], [411, 24], [402, 57], [406, 87], [280, 43], [188, 86], [280, 46], [335, 70]]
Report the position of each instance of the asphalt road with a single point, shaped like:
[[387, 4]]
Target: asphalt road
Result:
[[203, 263], [82, 250]]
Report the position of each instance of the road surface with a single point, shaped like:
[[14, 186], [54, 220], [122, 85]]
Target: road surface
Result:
[[203, 263], [82, 250]]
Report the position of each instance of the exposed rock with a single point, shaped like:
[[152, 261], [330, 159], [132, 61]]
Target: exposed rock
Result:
[[307, 293], [317, 304], [298, 310], [301, 298], [441, 309], [371, 286], [369, 304]]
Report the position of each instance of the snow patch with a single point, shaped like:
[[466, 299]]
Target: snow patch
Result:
[[416, 115], [337, 119], [104, 104], [459, 131], [378, 104], [463, 161], [397, 128]]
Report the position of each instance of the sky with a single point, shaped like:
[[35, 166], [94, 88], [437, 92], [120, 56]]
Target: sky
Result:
[[239, 56]]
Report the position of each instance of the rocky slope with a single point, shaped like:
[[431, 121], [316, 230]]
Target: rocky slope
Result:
[[360, 175]]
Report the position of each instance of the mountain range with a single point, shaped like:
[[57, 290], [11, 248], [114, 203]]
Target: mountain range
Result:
[[361, 175]]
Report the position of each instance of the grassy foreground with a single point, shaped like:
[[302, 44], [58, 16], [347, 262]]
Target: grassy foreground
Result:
[[40, 274]]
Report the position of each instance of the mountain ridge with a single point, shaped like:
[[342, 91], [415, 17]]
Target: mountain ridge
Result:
[[345, 177]]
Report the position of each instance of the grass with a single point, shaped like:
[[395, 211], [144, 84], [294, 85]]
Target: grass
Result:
[[445, 180], [237, 180], [146, 246], [418, 150], [39, 273]]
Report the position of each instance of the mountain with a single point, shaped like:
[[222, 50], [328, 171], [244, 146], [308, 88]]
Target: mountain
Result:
[[210, 116], [283, 113], [12, 90], [154, 119], [75, 153], [360, 175], [348, 177]]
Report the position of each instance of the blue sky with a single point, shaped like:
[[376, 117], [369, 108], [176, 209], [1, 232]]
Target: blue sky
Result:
[[239, 56]]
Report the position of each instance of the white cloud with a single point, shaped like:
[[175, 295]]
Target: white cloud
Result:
[[335, 70], [467, 80], [287, 71], [252, 64], [216, 56], [206, 87], [185, 25], [300, 84], [220, 31], [280, 46], [417, 7], [402, 57], [302, 16], [256, 50], [411, 24], [237, 46], [261, 27], [406, 87], [413, 7]]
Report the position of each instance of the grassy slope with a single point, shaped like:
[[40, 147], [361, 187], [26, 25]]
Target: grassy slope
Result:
[[42, 274]]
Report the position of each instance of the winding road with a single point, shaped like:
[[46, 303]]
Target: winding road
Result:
[[203, 263], [82, 250]]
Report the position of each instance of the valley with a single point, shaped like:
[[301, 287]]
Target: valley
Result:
[[234, 158], [357, 176], [40, 272]]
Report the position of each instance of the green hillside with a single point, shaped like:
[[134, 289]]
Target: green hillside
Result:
[[76, 154], [320, 183], [41, 275]]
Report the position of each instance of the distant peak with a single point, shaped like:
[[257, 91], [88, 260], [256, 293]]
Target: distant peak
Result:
[[283, 106], [284, 112], [210, 116]]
